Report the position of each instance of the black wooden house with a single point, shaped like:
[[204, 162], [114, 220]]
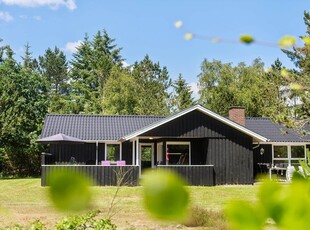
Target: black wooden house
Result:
[[202, 146]]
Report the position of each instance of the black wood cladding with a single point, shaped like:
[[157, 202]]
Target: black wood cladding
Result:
[[198, 175], [99, 175]]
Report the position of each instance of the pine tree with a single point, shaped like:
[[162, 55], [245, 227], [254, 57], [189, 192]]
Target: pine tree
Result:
[[151, 88], [91, 68], [300, 77], [182, 96], [54, 68], [28, 61]]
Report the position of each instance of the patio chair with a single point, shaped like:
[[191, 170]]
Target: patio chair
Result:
[[289, 172], [105, 163], [120, 163]]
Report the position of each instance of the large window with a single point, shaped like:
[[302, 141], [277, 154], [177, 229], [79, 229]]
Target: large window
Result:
[[284, 155], [178, 153]]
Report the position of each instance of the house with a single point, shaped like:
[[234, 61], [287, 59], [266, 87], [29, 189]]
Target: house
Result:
[[202, 146]]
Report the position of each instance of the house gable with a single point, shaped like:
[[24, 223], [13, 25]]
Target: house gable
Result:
[[194, 124], [195, 121]]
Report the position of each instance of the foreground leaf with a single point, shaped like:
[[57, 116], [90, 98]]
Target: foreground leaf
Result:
[[165, 196], [69, 191], [244, 216], [247, 39], [287, 41]]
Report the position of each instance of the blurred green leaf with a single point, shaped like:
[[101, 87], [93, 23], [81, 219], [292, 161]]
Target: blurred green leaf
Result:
[[248, 39], [295, 86], [178, 24], [188, 36], [268, 70], [272, 198], [284, 73], [216, 40], [69, 191], [287, 41], [297, 205], [244, 216], [165, 196], [306, 40]]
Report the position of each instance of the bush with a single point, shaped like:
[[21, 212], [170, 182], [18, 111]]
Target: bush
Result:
[[87, 221], [201, 217], [37, 225], [77, 222]]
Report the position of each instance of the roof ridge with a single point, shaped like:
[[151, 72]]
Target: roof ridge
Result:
[[105, 115]]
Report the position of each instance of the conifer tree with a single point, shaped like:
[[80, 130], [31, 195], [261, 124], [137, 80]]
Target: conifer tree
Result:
[[182, 95], [91, 66], [300, 77], [54, 68], [152, 87]]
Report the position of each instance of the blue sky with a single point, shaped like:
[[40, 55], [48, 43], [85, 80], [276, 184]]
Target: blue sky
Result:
[[143, 27]]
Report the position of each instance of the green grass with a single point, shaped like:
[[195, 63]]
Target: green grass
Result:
[[24, 200]]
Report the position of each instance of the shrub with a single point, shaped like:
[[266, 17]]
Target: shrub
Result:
[[37, 225], [87, 221], [201, 217]]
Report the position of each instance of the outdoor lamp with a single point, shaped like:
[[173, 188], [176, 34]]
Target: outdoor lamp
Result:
[[261, 151]]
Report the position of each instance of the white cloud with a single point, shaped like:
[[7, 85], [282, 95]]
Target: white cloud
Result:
[[37, 17], [53, 4], [71, 46], [23, 16], [195, 89], [125, 64], [5, 16]]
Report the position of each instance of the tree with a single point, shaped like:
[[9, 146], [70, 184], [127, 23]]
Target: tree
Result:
[[300, 78], [222, 85], [182, 95], [151, 88], [91, 66], [119, 93], [216, 86], [54, 68], [23, 105], [28, 61]]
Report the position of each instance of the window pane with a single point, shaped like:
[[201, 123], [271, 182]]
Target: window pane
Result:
[[297, 151], [113, 153], [280, 152], [178, 154]]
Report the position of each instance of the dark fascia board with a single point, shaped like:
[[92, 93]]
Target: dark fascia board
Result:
[[257, 137]]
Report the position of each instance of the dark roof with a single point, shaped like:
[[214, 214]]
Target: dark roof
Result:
[[115, 127], [273, 131], [95, 127]]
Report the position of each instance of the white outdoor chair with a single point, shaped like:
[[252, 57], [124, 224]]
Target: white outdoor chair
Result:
[[289, 172]]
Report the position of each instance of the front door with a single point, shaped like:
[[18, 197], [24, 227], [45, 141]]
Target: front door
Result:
[[146, 151]]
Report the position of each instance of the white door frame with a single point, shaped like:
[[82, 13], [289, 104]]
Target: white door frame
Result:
[[152, 153]]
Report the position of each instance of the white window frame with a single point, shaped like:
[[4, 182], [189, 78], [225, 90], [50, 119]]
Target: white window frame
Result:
[[113, 143], [289, 151], [182, 143]]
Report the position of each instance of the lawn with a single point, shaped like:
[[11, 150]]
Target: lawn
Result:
[[24, 200]]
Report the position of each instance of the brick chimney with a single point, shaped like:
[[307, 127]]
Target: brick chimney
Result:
[[237, 114]]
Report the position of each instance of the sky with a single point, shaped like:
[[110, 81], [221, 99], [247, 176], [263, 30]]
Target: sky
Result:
[[143, 27]]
